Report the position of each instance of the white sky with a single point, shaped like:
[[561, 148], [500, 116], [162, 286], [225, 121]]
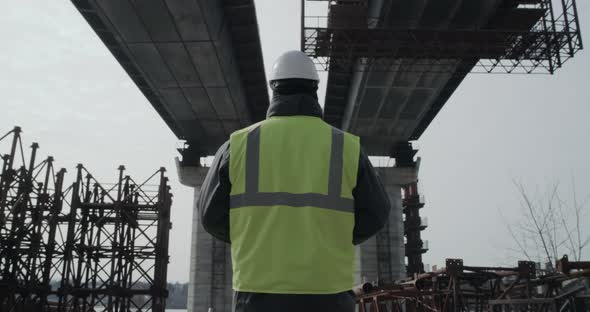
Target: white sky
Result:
[[67, 91]]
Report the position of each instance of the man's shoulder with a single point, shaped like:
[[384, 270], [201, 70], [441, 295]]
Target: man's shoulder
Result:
[[346, 134], [246, 129]]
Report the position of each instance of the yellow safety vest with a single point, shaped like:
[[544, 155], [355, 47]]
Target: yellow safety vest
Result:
[[291, 206]]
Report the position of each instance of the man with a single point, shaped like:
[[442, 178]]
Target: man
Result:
[[292, 195]]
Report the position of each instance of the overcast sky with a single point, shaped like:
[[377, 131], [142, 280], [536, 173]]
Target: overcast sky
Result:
[[64, 88]]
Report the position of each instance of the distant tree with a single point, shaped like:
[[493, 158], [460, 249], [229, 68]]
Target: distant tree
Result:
[[550, 226]]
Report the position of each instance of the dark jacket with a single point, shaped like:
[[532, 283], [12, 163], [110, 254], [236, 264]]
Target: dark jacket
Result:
[[371, 204]]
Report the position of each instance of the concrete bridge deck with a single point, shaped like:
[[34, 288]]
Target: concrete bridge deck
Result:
[[198, 62]]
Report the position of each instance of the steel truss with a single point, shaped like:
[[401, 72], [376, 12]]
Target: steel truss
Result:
[[476, 289], [349, 40], [87, 247]]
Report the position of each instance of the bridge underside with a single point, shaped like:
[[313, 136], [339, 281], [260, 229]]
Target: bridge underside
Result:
[[394, 102], [198, 62]]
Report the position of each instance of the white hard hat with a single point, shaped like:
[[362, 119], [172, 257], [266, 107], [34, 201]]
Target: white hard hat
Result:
[[292, 65]]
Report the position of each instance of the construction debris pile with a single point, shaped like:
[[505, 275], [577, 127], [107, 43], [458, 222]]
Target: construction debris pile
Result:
[[466, 288], [85, 246]]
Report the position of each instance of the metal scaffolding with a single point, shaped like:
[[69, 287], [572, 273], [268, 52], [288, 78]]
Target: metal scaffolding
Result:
[[87, 247], [458, 287], [413, 226], [412, 202], [30, 205], [522, 36]]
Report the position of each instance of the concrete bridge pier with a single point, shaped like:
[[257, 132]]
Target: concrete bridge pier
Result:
[[210, 272], [382, 258]]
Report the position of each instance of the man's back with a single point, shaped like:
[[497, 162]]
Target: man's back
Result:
[[291, 206], [292, 195]]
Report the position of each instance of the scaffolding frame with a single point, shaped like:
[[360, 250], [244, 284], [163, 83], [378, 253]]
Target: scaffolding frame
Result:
[[413, 226], [350, 40], [87, 247], [30, 204]]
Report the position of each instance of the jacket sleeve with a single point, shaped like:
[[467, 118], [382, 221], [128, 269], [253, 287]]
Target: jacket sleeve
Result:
[[213, 202], [371, 203]]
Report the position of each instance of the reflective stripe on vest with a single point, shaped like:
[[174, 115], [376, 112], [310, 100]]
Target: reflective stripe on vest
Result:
[[291, 206], [254, 198]]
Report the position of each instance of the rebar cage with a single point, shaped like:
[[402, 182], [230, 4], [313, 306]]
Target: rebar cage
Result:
[[85, 247], [518, 36]]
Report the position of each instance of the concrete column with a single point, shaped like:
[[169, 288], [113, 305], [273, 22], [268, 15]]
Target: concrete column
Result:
[[203, 291], [382, 258]]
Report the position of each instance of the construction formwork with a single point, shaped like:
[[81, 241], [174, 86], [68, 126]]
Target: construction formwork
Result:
[[85, 247], [520, 36]]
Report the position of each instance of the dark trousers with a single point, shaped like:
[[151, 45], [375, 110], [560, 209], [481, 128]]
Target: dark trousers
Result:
[[259, 302]]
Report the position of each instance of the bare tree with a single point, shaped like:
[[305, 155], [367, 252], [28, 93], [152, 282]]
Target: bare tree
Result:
[[550, 226]]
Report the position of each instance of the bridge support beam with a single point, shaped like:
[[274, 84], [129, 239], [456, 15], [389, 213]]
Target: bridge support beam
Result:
[[210, 272]]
